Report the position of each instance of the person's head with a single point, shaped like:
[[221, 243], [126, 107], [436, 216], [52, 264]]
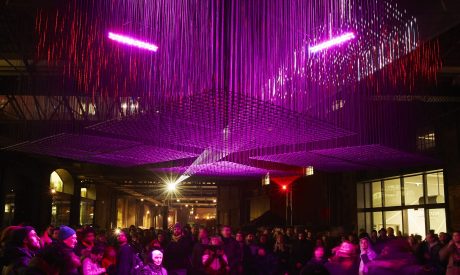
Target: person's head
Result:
[[122, 237], [364, 244], [263, 239], [319, 252], [110, 252], [26, 237], [280, 238], [160, 237], [346, 249], [55, 234], [216, 241], [309, 234], [302, 236], [226, 231], [68, 236], [374, 233], [391, 232], [203, 233], [430, 238], [443, 237], [97, 252], [383, 233], [456, 237], [250, 238], [89, 235], [239, 237], [157, 257], [177, 230], [49, 230], [351, 238]]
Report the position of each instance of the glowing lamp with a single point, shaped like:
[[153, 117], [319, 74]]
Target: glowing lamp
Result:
[[123, 39], [331, 42], [266, 179], [171, 186], [284, 187], [309, 171]]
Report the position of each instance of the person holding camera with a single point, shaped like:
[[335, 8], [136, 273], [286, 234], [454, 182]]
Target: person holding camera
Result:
[[214, 260]]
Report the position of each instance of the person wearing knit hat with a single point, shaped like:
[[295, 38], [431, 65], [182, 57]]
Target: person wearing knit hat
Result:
[[66, 241], [22, 247], [68, 236]]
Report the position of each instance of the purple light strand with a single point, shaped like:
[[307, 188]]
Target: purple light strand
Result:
[[332, 42], [132, 42]]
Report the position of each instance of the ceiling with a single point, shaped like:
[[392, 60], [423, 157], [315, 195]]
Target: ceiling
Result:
[[222, 99]]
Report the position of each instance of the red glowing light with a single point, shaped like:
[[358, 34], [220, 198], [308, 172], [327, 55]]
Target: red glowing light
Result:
[[284, 187]]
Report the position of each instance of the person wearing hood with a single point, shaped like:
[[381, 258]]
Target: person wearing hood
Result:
[[23, 245]]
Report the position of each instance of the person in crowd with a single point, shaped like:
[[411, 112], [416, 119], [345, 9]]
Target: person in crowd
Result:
[[154, 264], [65, 245], [414, 244], [263, 242], [250, 242], [198, 250], [177, 251], [214, 260], [429, 254], [390, 233], [451, 254], [363, 234], [109, 260], [127, 261], [374, 237], [265, 262], [92, 264], [302, 251], [444, 239], [395, 258], [381, 240], [345, 261], [162, 242], [135, 242], [366, 255], [45, 239], [281, 252], [86, 243], [48, 261], [231, 249], [315, 266], [22, 247], [55, 235], [244, 252]]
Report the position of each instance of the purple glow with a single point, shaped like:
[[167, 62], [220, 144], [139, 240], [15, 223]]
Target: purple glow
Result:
[[132, 42], [332, 42]]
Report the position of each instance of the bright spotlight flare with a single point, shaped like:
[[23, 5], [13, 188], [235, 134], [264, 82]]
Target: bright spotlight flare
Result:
[[332, 42], [132, 42], [172, 186]]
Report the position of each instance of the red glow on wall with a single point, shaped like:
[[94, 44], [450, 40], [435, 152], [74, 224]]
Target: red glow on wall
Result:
[[284, 182]]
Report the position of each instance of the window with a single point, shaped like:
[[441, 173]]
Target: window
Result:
[[377, 194], [437, 219], [426, 141], [435, 187], [392, 189], [413, 190], [377, 222], [394, 219], [415, 221], [412, 204]]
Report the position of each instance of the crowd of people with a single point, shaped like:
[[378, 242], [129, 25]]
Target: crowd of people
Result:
[[192, 250]]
